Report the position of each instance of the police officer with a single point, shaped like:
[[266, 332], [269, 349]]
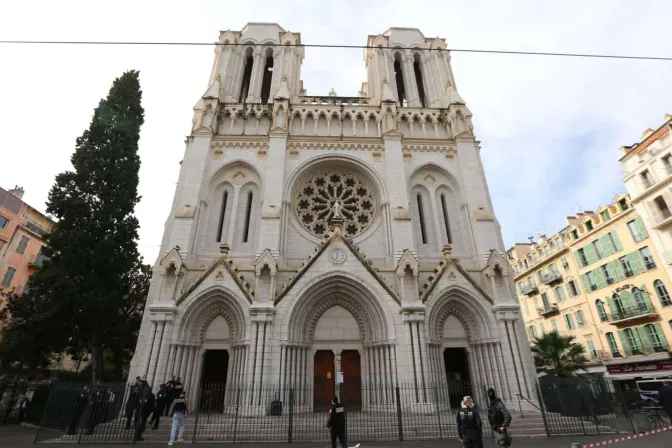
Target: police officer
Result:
[[161, 402], [469, 425], [132, 403], [499, 418], [336, 422], [146, 405], [97, 405], [170, 393]]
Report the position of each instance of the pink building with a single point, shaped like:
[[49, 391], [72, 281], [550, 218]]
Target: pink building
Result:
[[22, 232]]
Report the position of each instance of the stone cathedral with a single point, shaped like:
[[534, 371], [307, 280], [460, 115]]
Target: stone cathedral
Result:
[[314, 239]]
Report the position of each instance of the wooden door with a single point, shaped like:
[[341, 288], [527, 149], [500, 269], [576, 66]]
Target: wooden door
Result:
[[323, 380], [352, 380]]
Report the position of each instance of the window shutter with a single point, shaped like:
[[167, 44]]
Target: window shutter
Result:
[[636, 262], [612, 305], [568, 289], [617, 240], [586, 283], [577, 258], [644, 338], [645, 296], [661, 334], [641, 230], [624, 340], [604, 245], [628, 300], [591, 255], [600, 279]]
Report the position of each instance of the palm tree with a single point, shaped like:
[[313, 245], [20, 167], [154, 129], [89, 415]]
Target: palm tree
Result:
[[558, 355]]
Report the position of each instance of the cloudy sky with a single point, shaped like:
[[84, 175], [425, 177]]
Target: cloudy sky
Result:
[[550, 127]]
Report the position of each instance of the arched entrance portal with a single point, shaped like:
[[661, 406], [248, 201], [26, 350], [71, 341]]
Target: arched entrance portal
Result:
[[337, 341]]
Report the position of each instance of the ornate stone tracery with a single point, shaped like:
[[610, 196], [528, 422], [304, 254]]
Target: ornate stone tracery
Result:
[[314, 202]]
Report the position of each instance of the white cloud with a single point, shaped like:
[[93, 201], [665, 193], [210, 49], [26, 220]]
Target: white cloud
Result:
[[530, 112]]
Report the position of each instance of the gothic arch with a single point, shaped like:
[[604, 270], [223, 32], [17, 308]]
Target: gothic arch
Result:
[[477, 320], [221, 174], [199, 314], [338, 289], [449, 180]]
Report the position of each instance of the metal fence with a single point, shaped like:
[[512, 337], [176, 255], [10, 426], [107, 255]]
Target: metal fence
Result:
[[289, 413], [23, 402]]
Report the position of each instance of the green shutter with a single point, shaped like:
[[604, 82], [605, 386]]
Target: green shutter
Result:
[[624, 341], [604, 243], [644, 338], [617, 270], [645, 296], [617, 240], [641, 230], [586, 283], [600, 279], [568, 289], [628, 301], [577, 258], [636, 262], [661, 334], [610, 304], [591, 255]]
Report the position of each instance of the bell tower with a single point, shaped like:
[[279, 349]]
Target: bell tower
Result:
[[249, 70]]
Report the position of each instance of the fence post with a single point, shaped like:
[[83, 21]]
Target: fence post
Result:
[[199, 398], [438, 411], [399, 423], [544, 417], [235, 421], [291, 415]]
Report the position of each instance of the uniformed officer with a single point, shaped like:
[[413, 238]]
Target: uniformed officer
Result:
[[469, 425], [499, 418], [80, 405], [161, 402], [97, 405], [336, 422]]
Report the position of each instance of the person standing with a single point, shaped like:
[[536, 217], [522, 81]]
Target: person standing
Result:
[[499, 418], [161, 404], [170, 393], [132, 403], [469, 425], [96, 407], [665, 397], [146, 405], [336, 422], [179, 409]]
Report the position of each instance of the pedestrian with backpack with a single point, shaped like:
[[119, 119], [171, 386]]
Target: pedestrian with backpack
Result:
[[499, 418]]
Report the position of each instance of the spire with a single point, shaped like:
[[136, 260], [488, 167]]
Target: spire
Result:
[[283, 91]]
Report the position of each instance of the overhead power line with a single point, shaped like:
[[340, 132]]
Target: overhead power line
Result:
[[460, 50]]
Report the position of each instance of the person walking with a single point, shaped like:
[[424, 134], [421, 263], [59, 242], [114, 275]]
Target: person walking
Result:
[[80, 405], [336, 422], [161, 404], [665, 397], [146, 405], [179, 409], [469, 425], [499, 419]]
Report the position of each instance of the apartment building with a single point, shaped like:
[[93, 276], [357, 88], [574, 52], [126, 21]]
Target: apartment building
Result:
[[601, 280], [22, 232]]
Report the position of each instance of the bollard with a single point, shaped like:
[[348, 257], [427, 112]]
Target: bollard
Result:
[[576, 445]]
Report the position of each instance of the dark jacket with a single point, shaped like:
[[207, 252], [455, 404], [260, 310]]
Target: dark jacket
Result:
[[336, 420], [469, 423], [498, 415], [665, 398]]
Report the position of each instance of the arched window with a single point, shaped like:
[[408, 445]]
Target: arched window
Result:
[[222, 216], [267, 78], [446, 223], [661, 292], [639, 299], [247, 76], [618, 303], [399, 78], [248, 215], [613, 346], [418, 79], [600, 310], [525, 263], [656, 337], [421, 217]]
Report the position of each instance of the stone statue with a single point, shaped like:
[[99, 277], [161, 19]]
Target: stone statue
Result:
[[332, 92], [336, 209]]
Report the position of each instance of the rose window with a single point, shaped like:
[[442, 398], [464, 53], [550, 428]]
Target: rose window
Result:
[[315, 199]]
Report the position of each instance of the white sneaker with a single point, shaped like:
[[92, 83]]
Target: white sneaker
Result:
[[180, 440], [170, 443]]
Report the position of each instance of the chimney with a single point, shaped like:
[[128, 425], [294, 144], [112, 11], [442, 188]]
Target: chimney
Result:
[[17, 192]]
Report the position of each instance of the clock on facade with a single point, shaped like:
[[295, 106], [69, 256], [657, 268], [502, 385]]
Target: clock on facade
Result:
[[337, 255]]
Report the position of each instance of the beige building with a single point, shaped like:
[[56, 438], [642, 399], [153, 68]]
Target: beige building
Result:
[[601, 280]]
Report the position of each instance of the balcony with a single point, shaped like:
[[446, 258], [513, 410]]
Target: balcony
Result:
[[660, 347], [529, 289], [551, 277], [34, 227], [628, 314], [661, 217], [548, 311], [38, 261]]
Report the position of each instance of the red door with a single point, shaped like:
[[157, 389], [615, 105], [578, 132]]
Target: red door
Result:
[[323, 380], [352, 380]]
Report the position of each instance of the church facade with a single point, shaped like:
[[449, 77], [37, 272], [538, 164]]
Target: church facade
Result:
[[314, 240]]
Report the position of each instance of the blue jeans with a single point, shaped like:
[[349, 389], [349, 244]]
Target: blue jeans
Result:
[[178, 421]]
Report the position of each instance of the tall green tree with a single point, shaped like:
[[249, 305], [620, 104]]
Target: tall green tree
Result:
[[93, 245], [558, 355]]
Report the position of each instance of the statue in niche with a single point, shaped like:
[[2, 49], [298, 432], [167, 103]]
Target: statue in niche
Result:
[[336, 210]]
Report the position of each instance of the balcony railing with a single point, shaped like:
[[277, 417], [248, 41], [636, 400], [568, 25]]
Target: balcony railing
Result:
[[38, 261], [551, 277], [660, 347], [550, 310], [336, 100], [529, 289], [659, 216], [34, 227], [637, 312]]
